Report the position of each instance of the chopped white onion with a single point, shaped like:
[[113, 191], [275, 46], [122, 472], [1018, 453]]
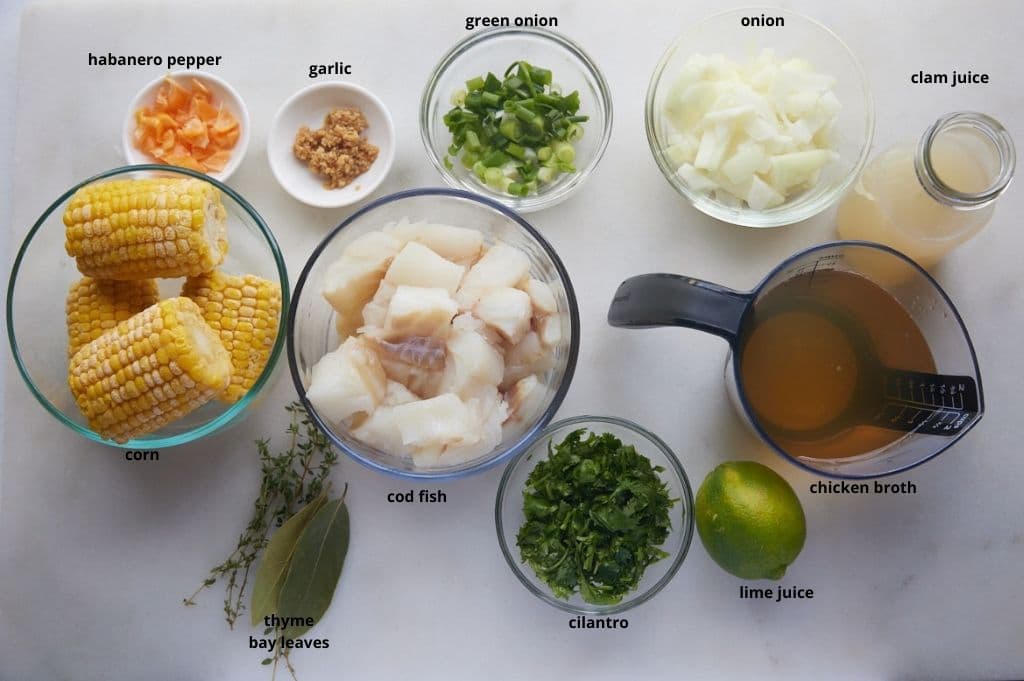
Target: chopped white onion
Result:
[[751, 133]]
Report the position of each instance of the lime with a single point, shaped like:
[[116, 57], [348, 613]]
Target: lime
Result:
[[750, 520]]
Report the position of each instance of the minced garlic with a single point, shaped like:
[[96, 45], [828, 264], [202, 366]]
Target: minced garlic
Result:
[[337, 151]]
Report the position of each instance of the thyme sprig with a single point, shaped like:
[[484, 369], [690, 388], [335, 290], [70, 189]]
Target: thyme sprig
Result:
[[289, 480]]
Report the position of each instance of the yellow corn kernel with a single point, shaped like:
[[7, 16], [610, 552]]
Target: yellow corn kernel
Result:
[[143, 228], [149, 370], [245, 311], [95, 306]]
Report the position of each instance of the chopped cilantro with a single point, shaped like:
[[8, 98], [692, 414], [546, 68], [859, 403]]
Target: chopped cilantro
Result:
[[596, 513]]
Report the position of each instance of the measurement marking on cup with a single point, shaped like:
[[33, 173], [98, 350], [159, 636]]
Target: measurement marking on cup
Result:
[[926, 404], [956, 397], [814, 270], [826, 263]]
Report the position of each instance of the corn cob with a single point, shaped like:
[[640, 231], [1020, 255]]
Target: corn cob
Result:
[[143, 228], [149, 371], [245, 311], [95, 306]]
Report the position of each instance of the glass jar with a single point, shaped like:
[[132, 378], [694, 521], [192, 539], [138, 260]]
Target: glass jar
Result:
[[925, 200]]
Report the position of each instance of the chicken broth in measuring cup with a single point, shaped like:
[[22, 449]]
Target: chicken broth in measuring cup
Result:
[[833, 356], [817, 349]]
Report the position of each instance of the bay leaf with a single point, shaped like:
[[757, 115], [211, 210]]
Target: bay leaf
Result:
[[277, 557], [315, 566]]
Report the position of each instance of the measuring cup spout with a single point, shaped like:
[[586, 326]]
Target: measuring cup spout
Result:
[[650, 300]]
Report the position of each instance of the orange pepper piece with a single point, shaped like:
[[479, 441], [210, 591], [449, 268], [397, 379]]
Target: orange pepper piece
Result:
[[185, 127], [194, 131], [217, 160]]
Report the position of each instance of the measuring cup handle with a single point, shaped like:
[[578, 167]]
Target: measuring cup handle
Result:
[[651, 300]]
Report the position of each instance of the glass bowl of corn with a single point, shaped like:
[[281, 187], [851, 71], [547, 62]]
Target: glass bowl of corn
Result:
[[145, 306]]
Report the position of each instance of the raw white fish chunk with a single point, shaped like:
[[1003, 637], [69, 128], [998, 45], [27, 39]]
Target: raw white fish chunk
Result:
[[348, 381], [417, 265], [471, 364], [417, 311], [458, 244], [541, 296], [508, 310], [351, 281], [502, 265], [442, 420]]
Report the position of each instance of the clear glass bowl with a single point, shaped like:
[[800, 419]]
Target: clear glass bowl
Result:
[[311, 320], [43, 273], [508, 510], [493, 50], [799, 37]]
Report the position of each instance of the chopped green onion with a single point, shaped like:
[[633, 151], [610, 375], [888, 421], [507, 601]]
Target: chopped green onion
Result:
[[492, 84], [524, 114], [515, 131], [564, 152], [510, 128], [542, 76], [495, 159], [494, 176], [516, 151]]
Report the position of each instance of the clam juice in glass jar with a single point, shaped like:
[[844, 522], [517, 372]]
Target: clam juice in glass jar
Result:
[[926, 200]]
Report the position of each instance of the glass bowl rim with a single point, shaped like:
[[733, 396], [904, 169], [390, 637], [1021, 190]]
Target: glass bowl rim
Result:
[[537, 201], [232, 411], [526, 440], [631, 600], [746, 217]]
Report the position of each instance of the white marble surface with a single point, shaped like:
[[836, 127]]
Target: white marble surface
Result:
[[96, 553]]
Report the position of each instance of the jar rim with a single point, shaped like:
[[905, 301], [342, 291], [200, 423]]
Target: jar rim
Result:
[[990, 129]]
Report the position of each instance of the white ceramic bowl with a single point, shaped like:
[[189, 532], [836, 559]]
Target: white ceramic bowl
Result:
[[308, 107], [222, 93]]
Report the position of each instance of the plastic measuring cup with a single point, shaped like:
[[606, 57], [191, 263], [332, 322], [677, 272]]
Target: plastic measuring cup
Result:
[[923, 413]]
